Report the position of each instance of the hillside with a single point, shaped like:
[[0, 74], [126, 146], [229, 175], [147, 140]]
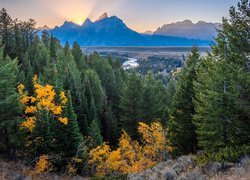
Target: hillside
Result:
[[183, 168]]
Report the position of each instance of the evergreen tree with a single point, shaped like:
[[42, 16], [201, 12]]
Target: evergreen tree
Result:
[[52, 48], [153, 99], [66, 48], [9, 106], [41, 59], [131, 104], [18, 47], [94, 91], [73, 137], [79, 57], [181, 128], [222, 87], [45, 38], [95, 133], [6, 25]]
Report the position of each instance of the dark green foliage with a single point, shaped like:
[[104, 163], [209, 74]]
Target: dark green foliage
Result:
[[16, 36], [222, 87], [6, 24], [9, 106], [72, 136], [46, 38], [227, 154], [79, 57], [131, 104], [94, 90], [180, 125], [95, 133], [153, 99]]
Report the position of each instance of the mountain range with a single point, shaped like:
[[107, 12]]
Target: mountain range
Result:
[[187, 29], [112, 31]]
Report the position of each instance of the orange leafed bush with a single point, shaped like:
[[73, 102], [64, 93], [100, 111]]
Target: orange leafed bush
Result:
[[130, 156], [43, 99], [42, 165]]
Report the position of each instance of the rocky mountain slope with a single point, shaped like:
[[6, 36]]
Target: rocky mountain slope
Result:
[[112, 31], [187, 29]]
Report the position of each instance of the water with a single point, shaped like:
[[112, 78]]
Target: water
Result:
[[131, 57], [130, 63]]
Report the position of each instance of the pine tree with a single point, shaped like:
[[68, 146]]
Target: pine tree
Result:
[[41, 58], [45, 38], [6, 24], [66, 48], [9, 106], [95, 133], [53, 56], [18, 42], [79, 57], [222, 87], [131, 100], [72, 132], [94, 91], [153, 99], [181, 128]]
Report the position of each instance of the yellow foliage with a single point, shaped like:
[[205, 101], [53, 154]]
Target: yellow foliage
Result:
[[44, 99], [63, 120], [56, 110], [43, 165], [130, 156], [25, 99], [30, 109], [29, 123], [20, 88], [154, 139], [71, 167], [35, 79], [63, 98]]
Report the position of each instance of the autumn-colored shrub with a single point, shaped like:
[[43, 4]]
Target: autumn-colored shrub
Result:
[[130, 156], [71, 167], [44, 98], [42, 165]]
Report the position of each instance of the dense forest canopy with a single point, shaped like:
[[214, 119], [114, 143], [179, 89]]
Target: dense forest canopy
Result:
[[84, 114]]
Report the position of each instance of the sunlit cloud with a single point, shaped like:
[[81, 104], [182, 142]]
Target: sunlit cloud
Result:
[[77, 11]]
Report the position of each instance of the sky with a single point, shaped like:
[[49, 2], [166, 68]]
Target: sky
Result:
[[139, 15]]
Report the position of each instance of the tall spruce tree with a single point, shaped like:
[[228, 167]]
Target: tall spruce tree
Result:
[[73, 137], [6, 25], [181, 128], [153, 99], [95, 133], [131, 105], [222, 87], [79, 57], [9, 106]]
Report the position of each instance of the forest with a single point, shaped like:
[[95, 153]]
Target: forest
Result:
[[65, 112]]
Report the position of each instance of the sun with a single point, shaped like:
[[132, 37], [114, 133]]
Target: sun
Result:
[[79, 21]]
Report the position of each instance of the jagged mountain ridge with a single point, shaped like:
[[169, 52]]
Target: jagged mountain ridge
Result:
[[112, 31], [187, 29]]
